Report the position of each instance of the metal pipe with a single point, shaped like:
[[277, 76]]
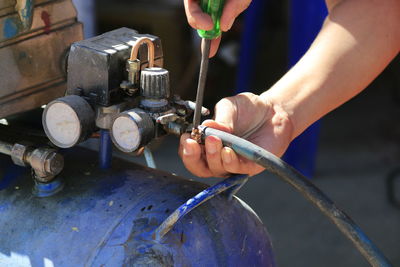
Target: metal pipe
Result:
[[5, 148], [148, 155], [105, 150]]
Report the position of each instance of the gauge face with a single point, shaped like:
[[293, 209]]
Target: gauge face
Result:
[[125, 133], [62, 124]]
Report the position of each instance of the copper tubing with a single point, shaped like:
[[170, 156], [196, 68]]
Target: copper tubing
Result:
[[150, 50]]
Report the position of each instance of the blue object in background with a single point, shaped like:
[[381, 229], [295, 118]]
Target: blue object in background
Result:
[[249, 44], [306, 18]]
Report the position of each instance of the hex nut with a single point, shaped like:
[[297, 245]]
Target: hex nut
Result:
[[54, 163], [19, 153]]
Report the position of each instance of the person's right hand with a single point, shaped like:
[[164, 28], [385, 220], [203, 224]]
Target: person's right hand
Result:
[[246, 115], [200, 20]]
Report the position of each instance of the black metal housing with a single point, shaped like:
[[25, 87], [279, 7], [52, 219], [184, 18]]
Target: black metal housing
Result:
[[97, 66]]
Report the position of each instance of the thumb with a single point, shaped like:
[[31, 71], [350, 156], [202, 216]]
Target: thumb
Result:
[[225, 113]]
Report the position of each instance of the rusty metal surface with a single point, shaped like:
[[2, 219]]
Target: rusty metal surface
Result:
[[32, 62]]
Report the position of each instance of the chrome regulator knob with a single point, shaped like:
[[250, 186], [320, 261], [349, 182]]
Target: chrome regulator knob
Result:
[[132, 130], [154, 87], [68, 121]]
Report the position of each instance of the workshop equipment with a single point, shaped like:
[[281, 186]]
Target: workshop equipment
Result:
[[85, 216], [106, 218], [34, 40], [128, 215], [116, 83]]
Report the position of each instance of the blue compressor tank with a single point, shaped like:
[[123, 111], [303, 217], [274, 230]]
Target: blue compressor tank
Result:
[[107, 217]]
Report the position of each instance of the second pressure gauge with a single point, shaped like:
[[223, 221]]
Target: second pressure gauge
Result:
[[131, 130]]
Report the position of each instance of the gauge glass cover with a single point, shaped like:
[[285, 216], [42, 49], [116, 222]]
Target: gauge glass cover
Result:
[[126, 133], [63, 124]]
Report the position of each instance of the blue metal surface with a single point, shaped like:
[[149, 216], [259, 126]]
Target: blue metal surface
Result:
[[254, 17], [9, 172], [196, 201], [306, 18], [48, 189], [107, 218], [105, 150]]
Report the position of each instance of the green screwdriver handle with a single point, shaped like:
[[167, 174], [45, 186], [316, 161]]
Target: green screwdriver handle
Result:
[[214, 9]]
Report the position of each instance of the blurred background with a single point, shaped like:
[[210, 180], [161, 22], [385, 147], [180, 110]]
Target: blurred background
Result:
[[353, 154]]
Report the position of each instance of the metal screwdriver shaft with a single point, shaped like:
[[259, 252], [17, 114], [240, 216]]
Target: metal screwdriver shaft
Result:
[[214, 9], [205, 53]]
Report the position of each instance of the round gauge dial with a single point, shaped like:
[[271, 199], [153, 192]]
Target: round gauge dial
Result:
[[132, 129], [62, 124], [68, 121], [125, 132]]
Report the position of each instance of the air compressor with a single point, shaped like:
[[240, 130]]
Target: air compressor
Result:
[[76, 214]]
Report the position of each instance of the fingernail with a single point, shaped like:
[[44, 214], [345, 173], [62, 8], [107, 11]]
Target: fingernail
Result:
[[211, 148], [227, 156], [187, 151]]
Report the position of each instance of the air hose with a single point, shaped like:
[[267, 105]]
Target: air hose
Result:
[[291, 176]]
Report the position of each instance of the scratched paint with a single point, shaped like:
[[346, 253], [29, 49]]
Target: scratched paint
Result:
[[25, 9], [10, 28]]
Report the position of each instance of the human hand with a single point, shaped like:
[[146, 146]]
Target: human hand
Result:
[[200, 20], [246, 115]]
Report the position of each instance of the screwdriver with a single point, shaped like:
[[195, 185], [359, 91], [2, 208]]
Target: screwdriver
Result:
[[214, 9]]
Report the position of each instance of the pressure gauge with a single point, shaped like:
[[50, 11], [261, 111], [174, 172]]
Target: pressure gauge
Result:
[[131, 130], [68, 121]]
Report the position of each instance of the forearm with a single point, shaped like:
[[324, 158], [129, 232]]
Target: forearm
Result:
[[358, 40]]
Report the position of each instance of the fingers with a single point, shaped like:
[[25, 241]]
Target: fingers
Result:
[[213, 154], [232, 163], [226, 113], [196, 17], [191, 154], [214, 46], [218, 161], [232, 9], [200, 20]]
